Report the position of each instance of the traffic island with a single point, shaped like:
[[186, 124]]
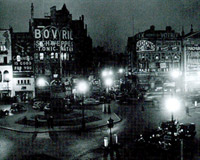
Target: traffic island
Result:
[[71, 119]]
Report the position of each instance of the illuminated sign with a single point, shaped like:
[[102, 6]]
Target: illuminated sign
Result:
[[157, 57], [144, 45], [52, 39], [5, 42], [22, 54]]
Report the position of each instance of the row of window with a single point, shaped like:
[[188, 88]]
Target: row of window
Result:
[[63, 56], [23, 82]]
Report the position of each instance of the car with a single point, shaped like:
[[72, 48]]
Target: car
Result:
[[47, 108], [4, 113], [91, 101], [187, 130], [16, 107], [38, 105]]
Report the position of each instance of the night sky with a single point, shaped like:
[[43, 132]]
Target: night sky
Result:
[[109, 22]]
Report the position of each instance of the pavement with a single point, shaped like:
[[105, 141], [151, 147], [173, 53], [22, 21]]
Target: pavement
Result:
[[99, 119]]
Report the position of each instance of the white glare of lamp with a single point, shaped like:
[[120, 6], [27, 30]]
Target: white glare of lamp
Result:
[[175, 74], [172, 104], [121, 70], [105, 73], [41, 82], [108, 82], [110, 73], [82, 87]]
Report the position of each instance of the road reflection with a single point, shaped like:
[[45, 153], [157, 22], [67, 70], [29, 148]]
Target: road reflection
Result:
[[5, 147]]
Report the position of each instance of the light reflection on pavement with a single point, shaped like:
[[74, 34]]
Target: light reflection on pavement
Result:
[[5, 147]]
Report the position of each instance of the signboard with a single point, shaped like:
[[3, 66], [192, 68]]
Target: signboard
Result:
[[163, 65], [160, 56], [5, 41], [144, 45], [22, 55], [53, 40], [168, 45], [193, 57]]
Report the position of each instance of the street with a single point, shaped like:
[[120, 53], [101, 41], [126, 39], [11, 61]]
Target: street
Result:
[[89, 145]]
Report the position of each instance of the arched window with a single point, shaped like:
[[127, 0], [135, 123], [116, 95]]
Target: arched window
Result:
[[5, 76], [0, 76]]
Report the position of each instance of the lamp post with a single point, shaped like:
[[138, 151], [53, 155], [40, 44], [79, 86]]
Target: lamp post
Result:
[[82, 89], [172, 105], [110, 125]]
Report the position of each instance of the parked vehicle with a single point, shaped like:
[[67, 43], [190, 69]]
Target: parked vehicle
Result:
[[38, 105], [91, 101], [16, 107], [4, 113], [47, 108], [187, 130]]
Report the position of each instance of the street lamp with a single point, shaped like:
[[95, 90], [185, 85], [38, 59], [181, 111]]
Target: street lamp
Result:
[[83, 87], [110, 124], [41, 82], [172, 105]]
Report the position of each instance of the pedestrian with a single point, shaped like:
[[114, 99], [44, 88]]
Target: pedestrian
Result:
[[36, 122], [187, 111], [48, 122], [109, 109], [25, 121], [51, 121], [142, 107]]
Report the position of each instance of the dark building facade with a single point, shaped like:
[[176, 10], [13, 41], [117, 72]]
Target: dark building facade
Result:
[[62, 48], [153, 54]]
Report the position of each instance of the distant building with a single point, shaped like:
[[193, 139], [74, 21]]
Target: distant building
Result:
[[6, 76], [191, 48]]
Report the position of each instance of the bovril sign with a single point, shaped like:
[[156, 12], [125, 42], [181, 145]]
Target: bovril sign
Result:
[[53, 33], [52, 39]]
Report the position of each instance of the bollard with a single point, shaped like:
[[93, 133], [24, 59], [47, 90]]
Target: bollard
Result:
[[195, 103], [116, 138], [106, 142], [109, 110], [105, 108]]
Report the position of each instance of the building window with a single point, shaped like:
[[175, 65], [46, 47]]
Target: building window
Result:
[[41, 56], [36, 56], [6, 76], [65, 56], [28, 81], [5, 60], [52, 55], [0, 76], [56, 55], [18, 58], [21, 81], [18, 82]]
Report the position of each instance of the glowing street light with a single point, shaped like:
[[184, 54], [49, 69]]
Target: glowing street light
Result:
[[83, 87], [41, 82], [175, 74], [121, 70], [108, 82], [173, 105]]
